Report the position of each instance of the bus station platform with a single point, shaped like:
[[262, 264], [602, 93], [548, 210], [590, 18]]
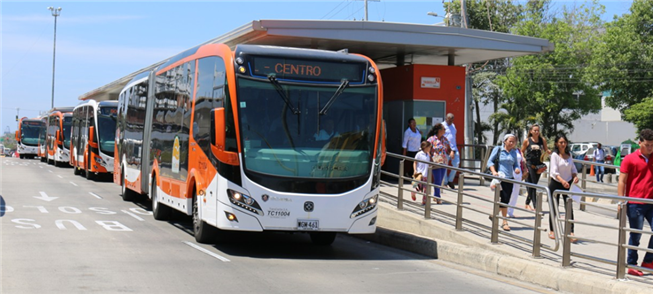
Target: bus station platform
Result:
[[512, 256]]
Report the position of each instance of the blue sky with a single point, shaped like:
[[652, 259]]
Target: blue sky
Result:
[[101, 41]]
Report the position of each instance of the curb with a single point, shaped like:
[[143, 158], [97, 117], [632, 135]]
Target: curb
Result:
[[479, 257]]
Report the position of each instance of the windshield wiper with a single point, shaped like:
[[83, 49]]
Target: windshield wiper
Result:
[[341, 89], [277, 86]]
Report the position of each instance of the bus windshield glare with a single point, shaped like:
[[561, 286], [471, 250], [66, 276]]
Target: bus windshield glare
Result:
[[309, 142], [107, 122], [30, 133]]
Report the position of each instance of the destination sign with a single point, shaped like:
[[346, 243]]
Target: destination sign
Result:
[[33, 123], [296, 69]]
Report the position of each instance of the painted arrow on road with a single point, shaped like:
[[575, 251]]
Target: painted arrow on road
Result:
[[45, 197]]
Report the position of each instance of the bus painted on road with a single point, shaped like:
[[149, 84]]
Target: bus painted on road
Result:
[[260, 138], [92, 142], [27, 136], [57, 140]]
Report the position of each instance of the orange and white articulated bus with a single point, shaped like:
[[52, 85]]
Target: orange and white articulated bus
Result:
[[57, 140], [261, 138], [92, 140], [27, 136]]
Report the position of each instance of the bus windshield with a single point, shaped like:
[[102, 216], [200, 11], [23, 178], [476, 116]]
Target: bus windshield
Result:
[[67, 124], [311, 140], [107, 129], [30, 133]]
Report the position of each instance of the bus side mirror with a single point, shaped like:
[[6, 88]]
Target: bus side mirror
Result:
[[91, 134], [217, 128], [56, 135], [17, 136], [218, 138]]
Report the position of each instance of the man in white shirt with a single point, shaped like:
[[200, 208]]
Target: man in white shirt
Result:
[[450, 134], [599, 157]]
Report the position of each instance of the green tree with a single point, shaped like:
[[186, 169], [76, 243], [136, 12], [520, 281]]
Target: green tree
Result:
[[550, 88], [484, 90], [623, 63], [641, 114], [490, 15]]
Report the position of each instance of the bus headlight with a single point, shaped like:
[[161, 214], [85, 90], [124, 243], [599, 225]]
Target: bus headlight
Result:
[[100, 161], [364, 206], [244, 201]]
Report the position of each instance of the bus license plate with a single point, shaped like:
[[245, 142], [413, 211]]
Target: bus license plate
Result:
[[308, 225]]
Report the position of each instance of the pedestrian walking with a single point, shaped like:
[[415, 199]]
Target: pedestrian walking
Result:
[[411, 145], [599, 157], [509, 166], [516, 187], [421, 169], [563, 173], [439, 149], [636, 181], [532, 149], [454, 155]]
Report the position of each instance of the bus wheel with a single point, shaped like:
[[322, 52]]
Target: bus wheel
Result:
[[127, 195], [89, 173], [204, 233], [323, 238], [21, 156], [42, 158], [75, 170], [159, 211]]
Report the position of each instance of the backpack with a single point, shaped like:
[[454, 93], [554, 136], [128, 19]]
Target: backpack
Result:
[[496, 163]]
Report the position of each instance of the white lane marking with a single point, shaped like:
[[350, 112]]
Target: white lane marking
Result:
[[49, 171], [133, 215], [74, 184], [60, 176], [224, 259], [95, 195], [45, 197], [40, 166]]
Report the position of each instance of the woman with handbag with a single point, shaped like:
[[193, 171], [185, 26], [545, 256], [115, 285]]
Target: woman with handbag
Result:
[[532, 149], [509, 166], [439, 150], [563, 173]]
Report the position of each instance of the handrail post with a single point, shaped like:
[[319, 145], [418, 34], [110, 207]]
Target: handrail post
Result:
[[495, 211], [483, 163], [566, 242], [427, 197], [583, 185], [537, 233], [400, 195], [459, 203], [621, 253]]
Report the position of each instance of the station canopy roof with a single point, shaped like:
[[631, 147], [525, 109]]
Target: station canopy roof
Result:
[[388, 44]]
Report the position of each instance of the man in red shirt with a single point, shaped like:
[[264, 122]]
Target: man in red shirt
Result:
[[636, 181]]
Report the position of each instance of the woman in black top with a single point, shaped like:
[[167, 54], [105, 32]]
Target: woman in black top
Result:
[[532, 149]]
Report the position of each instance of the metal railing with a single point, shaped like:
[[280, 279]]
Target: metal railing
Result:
[[583, 179], [469, 160], [621, 228], [461, 205]]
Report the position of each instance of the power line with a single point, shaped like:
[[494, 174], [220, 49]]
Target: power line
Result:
[[345, 1]]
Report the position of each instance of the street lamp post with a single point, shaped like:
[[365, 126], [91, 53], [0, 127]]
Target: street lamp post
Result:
[[55, 12]]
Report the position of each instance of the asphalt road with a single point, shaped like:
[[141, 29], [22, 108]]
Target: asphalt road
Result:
[[64, 234]]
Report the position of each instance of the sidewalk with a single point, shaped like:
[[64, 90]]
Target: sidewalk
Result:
[[512, 257]]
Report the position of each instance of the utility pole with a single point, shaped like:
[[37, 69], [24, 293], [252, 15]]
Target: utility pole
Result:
[[55, 12], [365, 3]]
